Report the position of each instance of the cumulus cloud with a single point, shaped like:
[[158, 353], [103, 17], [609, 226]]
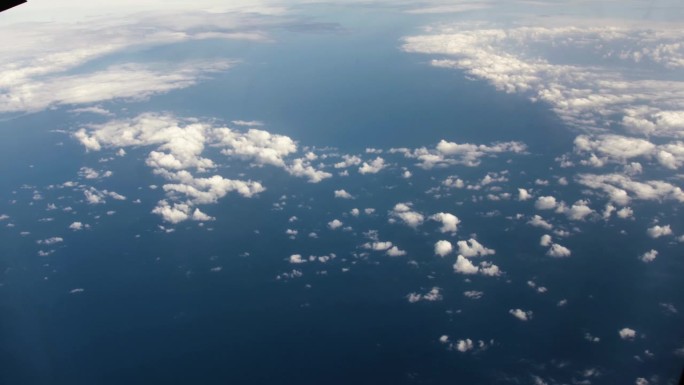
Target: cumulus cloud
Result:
[[76, 226], [521, 314], [473, 248], [378, 245], [335, 224], [394, 251], [618, 187], [179, 147], [586, 96], [523, 194], [443, 248], [449, 222], [374, 167], [431, 296], [538, 221], [343, 194], [545, 240], [658, 231], [450, 153], [558, 251], [404, 212], [649, 256], [546, 203], [464, 266], [627, 334], [50, 241]]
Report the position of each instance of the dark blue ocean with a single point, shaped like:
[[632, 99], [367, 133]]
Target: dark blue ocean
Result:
[[152, 311]]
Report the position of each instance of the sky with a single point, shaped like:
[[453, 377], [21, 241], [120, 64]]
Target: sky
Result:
[[369, 191]]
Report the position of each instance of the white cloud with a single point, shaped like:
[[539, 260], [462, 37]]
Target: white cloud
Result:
[[464, 345], [578, 211], [378, 245], [395, 252], [374, 167], [335, 224], [649, 256], [451, 153], [473, 294], [348, 161], [472, 248], [343, 195], [449, 222], [464, 266], [50, 241], [618, 187], [521, 314], [523, 194], [180, 145], [558, 251], [296, 259], [627, 333], [586, 96], [625, 212], [404, 212], [546, 203], [538, 221], [76, 226], [658, 231], [355, 212], [443, 248], [431, 296], [545, 240]]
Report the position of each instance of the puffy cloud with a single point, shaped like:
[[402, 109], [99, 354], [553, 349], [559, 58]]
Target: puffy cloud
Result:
[[521, 314], [394, 251], [545, 240], [546, 203], [658, 231], [625, 212], [50, 241], [374, 167], [464, 266], [443, 248], [404, 212], [538, 221], [431, 296], [649, 256], [348, 161], [178, 212], [296, 259], [578, 211], [618, 187], [627, 333], [76, 226], [617, 147], [558, 251], [449, 222], [179, 146], [473, 248], [344, 195], [378, 246], [490, 269], [523, 194], [335, 224], [586, 96], [451, 153], [355, 212]]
